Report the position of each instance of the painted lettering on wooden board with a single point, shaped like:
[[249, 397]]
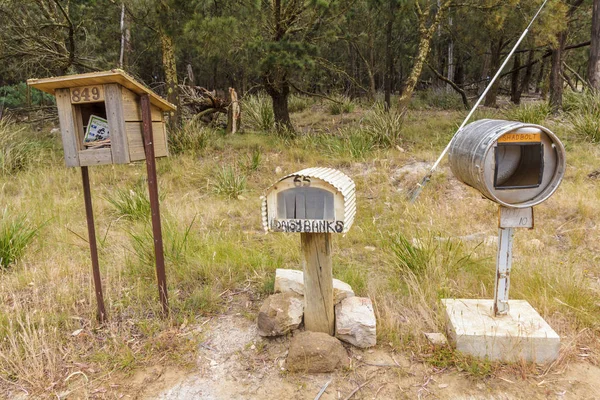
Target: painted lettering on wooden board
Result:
[[307, 226]]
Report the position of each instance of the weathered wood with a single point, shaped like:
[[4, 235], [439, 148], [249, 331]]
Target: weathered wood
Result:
[[87, 94], [132, 110], [116, 121], [136, 143], [66, 117], [318, 282], [95, 157], [233, 112], [51, 85]]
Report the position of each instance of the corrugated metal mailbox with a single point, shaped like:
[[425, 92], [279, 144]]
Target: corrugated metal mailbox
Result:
[[101, 118], [314, 200], [512, 163]]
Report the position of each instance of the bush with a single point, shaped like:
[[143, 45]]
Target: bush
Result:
[[15, 235], [385, 128], [583, 112], [258, 112], [341, 105], [132, 204], [229, 183], [298, 103], [15, 96], [18, 149], [438, 98], [532, 113], [192, 137]]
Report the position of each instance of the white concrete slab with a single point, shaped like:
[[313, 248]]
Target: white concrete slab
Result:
[[522, 334]]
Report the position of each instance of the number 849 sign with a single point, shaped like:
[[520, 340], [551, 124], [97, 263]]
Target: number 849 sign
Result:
[[87, 94]]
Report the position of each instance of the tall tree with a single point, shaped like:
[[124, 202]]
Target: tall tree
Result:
[[593, 70]]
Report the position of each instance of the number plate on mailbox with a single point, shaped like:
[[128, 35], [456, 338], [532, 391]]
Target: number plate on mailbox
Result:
[[87, 94], [515, 217]]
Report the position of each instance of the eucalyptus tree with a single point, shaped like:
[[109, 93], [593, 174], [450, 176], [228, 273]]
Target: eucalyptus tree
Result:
[[593, 69]]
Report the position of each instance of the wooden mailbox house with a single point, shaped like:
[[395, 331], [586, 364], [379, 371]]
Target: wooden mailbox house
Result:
[[113, 96], [314, 200]]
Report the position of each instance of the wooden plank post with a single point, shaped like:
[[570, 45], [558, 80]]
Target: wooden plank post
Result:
[[318, 282], [89, 212], [154, 203]]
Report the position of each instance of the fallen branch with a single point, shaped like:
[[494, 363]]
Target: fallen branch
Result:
[[454, 86], [357, 389], [322, 390]]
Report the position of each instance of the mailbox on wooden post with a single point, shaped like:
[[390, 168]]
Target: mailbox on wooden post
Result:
[[109, 118], [315, 202]]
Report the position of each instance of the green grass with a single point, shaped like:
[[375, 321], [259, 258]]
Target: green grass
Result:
[[532, 113], [341, 105], [258, 113], [404, 256], [16, 233]]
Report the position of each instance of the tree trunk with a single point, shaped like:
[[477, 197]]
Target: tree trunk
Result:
[[279, 93], [389, 63], [515, 92], [528, 73], [594, 61], [425, 36], [170, 69], [450, 74], [495, 49], [556, 75], [125, 39]]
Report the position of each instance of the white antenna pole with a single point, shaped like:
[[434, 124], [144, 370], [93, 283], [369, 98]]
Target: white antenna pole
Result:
[[420, 186]]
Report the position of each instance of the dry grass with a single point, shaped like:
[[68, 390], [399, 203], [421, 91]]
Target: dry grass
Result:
[[404, 256]]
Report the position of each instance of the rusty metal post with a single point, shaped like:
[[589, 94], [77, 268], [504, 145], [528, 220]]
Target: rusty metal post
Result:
[[89, 213], [154, 203]]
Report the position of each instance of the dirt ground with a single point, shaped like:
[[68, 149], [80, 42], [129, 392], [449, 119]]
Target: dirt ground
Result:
[[234, 362]]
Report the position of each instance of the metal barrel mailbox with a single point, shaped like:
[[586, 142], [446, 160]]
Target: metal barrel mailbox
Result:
[[515, 164]]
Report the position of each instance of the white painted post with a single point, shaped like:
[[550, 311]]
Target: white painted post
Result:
[[503, 264], [508, 219]]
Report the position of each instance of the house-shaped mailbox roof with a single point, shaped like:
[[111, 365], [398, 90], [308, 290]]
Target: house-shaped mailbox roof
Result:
[[49, 85], [339, 181]]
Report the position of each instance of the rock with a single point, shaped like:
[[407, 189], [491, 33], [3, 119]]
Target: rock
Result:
[[280, 313], [316, 352], [278, 171], [355, 322], [292, 281], [436, 338]]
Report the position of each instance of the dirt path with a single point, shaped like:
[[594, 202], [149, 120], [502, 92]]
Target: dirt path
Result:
[[235, 363]]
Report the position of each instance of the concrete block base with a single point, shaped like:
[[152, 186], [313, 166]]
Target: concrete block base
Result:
[[522, 334]]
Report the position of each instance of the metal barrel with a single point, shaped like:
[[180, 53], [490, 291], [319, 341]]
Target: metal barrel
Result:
[[513, 163]]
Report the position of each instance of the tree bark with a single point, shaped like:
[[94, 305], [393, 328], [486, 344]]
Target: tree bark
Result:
[[528, 73], [279, 90], [389, 61], [170, 70], [496, 51], [556, 75], [425, 36], [594, 61], [515, 92]]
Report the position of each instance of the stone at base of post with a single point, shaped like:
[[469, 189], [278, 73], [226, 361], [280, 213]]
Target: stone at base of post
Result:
[[318, 283], [521, 334]]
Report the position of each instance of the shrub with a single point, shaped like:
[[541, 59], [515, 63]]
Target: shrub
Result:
[[258, 112], [584, 114], [341, 105], [437, 98], [298, 103], [18, 149], [132, 204], [532, 113], [385, 128], [193, 137], [251, 162], [15, 96], [15, 234], [229, 183]]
